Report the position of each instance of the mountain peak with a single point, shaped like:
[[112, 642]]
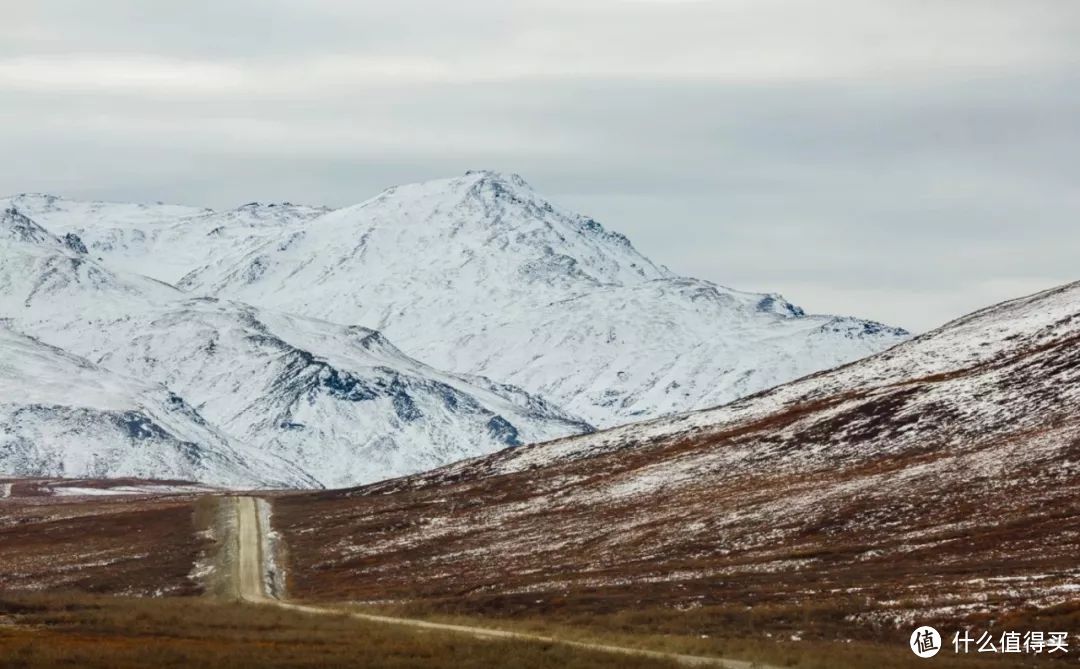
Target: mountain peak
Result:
[[19, 227], [483, 185], [453, 269], [495, 177]]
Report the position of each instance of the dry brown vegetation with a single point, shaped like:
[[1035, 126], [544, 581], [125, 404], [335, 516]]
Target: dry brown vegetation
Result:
[[115, 545], [736, 634], [847, 569], [116, 633]]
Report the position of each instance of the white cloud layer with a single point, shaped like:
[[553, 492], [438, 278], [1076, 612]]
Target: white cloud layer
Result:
[[897, 159]]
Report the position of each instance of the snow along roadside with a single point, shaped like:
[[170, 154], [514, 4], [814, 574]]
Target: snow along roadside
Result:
[[273, 570]]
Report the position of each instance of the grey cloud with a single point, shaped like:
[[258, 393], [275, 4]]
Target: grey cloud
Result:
[[934, 174]]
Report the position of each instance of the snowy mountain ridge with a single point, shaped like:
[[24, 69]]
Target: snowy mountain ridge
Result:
[[971, 348], [120, 424], [481, 275], [332, 404], [273, 321], [162, 241]]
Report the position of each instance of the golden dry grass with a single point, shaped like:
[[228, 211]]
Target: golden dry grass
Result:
[[75, 630], [734, 632]]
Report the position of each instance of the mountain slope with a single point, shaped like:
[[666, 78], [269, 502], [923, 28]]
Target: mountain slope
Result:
[[42, 272], [340, 403], [61, 416], [663, 346], [481, 275], [937, 482], [162, 241]]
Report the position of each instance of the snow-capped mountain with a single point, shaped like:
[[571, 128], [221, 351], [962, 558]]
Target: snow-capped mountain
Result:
[[62, 416], [481, 275], [41, 274], [162, 241], [547, 320], [337, 402]]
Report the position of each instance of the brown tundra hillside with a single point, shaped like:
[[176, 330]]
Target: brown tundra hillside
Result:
[[937, 482]]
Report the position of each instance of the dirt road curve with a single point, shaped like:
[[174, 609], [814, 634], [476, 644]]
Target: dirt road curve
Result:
[[250, 585]]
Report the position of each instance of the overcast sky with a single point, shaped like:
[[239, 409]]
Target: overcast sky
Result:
[[902, 160]]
